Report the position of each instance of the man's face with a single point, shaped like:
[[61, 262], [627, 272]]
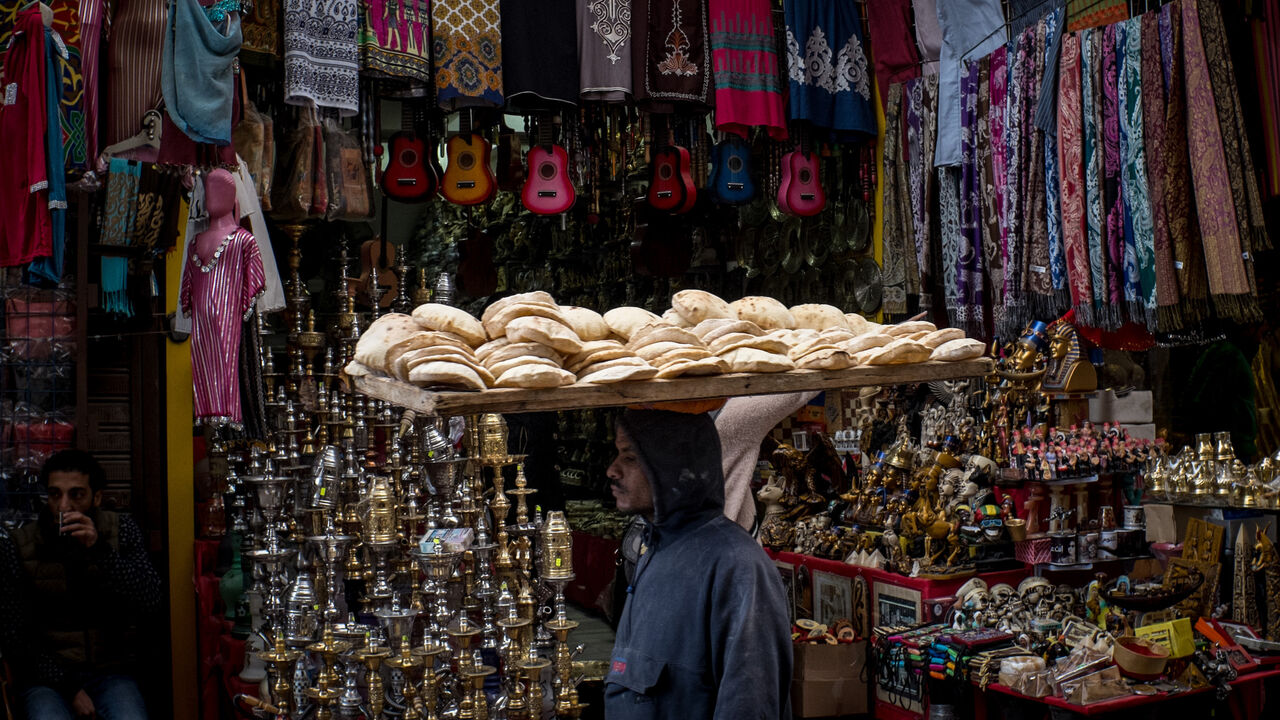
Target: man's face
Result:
[[70, 491], [631, 489]]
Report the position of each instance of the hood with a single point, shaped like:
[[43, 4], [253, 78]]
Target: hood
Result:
[[680, 454]]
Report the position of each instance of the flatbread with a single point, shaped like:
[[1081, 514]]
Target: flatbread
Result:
[[400, 366], [496, 325], [866, 342], [827, 359], [707, 366], [857, 324], [535, 376], [386, 331], [816, 316], [620, 373], [899, 352], [598, 355], [940, 336], [961, 349], [547, 332], [434, 316], [649, 352], [525, 350], [811, 346], [757, 361], [485, 376], [356, 369], [745, 327], [632, 361], [423, 339], [698, 305], [499, 368], [763, 311], [686, 352], [742, 340], [430, 374], [537, 296], [676, 319], [652, 333], [587, 323], [484, 350], [626, 320], [904, 329], [837, 335]]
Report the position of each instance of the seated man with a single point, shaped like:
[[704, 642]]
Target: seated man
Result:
[[705, 632], [72, 585]]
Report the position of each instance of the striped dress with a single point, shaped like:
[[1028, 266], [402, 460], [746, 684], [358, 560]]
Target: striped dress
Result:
[[218, 301]]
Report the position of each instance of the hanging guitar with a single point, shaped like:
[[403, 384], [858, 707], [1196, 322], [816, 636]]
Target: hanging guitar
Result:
[[467, 178], [410, 175], [547, 189], [377, 273], [671, 187], [800, 192], [730, 180]]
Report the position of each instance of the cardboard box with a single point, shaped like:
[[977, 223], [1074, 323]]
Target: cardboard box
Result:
[[829, 680]]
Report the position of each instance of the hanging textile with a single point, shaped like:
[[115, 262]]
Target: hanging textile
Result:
[[1037, 286], [1011, 301], [1132, 283], [969, 313], [1112, 205], [1091, 93], [1048, 103], [395, 38], [1167, 317], [1071, 168], [539, 54], [1226, 247], [896, 237], [745, 62], [1136, 194], [1266, 53], [134, 59], [921, 127], [1180, 211], [997, 127], [1093, 13], [951, 240], [197, 75], [321, 58], [970, 30], [49, 269], [120, 214], [928, 34], [604, 49], [671, 61], [827, 67], [988, 213], [895, 56], [25, 225], [261, 28]]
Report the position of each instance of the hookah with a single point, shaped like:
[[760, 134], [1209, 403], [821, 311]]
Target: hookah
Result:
[[557, 571], [325, 694], [372, 656]]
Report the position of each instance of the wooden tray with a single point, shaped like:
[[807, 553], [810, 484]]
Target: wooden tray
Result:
[[576, 397]]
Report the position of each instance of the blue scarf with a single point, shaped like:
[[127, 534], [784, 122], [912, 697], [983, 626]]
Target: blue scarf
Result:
[[197, 74]]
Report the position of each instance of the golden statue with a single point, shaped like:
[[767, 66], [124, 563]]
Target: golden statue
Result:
[[1069, 370]]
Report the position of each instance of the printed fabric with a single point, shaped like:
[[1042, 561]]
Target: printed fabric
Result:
[[895, 234], [921, 118], [321, 57], [827, 67], [395, 38], [25, 225], [604, 49], [1167, 317], [969, 254], [671, 60], [1090, 93], [896, 58], [1071, 168], [1112, 204], [744, 60], [1052, 187], [999, 95]]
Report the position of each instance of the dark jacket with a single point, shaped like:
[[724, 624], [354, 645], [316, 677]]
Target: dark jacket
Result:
[[705, 632], [68, 613]]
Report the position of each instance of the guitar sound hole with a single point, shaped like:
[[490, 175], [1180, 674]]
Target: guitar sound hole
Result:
[[547, 171], [466, 161], [805, 176], [664, 172], [735, 164], [408, 158]]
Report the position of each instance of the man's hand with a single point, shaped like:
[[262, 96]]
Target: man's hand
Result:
[[81, 705], [81, 527]]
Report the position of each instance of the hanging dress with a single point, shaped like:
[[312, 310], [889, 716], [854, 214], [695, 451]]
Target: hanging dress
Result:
[[604, 49], [395, 38], [671, 61], [540, 54], [744, 59], [25, 225], [321, 58], [467, 43], [827, 67]]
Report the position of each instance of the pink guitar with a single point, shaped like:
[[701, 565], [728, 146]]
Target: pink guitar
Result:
[[547, 189], [800, 191]]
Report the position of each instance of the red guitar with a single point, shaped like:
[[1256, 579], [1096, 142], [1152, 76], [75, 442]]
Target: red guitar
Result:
[[800, 192], [547, 189], [671, 186], [409, 176]]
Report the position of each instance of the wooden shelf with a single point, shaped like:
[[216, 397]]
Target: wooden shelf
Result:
[[577, 397]]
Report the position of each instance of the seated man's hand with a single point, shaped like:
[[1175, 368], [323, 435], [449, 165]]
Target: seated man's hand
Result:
[[82, 705], [81, 527]]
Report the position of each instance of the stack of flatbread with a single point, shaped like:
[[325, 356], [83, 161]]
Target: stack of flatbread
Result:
[[608, 361], [529, 338], [673, 350], [745, 346], [432, 350]]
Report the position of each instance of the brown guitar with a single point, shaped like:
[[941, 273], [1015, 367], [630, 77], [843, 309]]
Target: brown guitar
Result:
[[377, 261]]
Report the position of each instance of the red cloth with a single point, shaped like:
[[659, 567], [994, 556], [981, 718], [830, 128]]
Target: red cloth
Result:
[[26, 232], [893, 47]]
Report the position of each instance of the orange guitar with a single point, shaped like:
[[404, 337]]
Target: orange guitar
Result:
[[468, 179]]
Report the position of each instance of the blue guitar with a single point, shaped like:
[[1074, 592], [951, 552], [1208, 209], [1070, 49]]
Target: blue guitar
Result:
[[730, 179]]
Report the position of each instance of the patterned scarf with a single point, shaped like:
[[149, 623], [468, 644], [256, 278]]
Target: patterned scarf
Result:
[[1180, 210], [1132, 284], [949, 222], [1038, 283], [1112, 204], [1053, 213], [1007, 312], [989, 215], [969, 276], [1090, 51], [1226, 236], [1075, 235], [895, 234], [1167, 315], [121, 212], [1266, 53], [999, 96], [1137, 197], [921, 127]]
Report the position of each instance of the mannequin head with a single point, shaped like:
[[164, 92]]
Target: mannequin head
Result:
[[220, 195]]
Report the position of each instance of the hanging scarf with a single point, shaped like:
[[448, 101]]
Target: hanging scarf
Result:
[[1225, 235], [1011, 249], [1132, 284], [1136, 192], [1167, 316], [896, 58], [969, 275], [1090, 48], [1075, 234], [1053, 212], [121, 213], [1180, 210], [1112, 205], [921, 126], [894, 234], [1266, 53], [999, 93], [1235, 139], [1038, 283], [197, 74], [951, 240], [989, 215]]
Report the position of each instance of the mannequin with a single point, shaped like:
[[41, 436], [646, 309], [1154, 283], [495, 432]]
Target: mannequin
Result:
[[223, 280]]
